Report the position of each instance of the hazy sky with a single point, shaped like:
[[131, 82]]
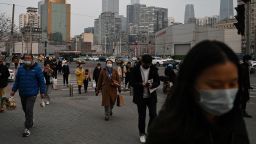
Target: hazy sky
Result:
[[83, 12]]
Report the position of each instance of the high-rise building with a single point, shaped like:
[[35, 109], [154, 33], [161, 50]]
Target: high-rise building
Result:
[[207, 21], [110, 6], [107, 31], [55, 19], [31, 18], [135, 2], [189, 14], [146, 19], [226, 9]]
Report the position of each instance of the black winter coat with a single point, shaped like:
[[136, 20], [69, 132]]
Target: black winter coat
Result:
[[4, 74], [137, 84]]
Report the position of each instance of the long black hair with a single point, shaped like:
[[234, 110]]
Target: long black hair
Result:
[[181, 114]]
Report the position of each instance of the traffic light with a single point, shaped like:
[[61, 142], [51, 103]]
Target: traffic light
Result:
[[240, 24]]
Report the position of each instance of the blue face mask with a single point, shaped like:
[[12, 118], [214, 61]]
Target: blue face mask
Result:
[[217, 102]]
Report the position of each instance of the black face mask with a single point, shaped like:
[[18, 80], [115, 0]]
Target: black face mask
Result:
[[145, 66]]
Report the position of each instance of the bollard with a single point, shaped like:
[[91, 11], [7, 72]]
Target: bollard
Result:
[[71, 92]]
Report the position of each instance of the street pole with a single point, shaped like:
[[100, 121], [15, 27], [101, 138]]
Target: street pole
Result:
[[30, 35], [12, 27], [105, 51]]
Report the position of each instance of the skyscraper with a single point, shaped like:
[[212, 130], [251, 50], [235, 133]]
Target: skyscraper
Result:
[[55, 19], [135, 2], [31, 18], [189, 13], [226, 9], [110, 6]]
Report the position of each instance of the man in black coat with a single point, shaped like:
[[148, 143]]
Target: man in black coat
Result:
[[245, 85], [145, 80], [96, 73], [66, 72], [4, 74]]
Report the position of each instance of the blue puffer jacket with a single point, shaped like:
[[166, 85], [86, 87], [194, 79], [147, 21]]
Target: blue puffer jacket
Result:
[[29, 80]]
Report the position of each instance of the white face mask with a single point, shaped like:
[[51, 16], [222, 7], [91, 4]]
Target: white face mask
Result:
[[217, 102], [27, 62], [109, 65]]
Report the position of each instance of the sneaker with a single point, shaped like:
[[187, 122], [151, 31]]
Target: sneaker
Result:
[[143, 139], [47, 102], [106, 118], [26, 133]]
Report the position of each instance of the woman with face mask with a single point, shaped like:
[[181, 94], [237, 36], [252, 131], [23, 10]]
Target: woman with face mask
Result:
[[80, 76], [108, 84], [203, 107]]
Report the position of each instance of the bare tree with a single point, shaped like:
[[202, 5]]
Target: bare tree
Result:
[[5, 27]]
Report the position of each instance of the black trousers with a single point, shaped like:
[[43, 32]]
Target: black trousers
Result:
[[65, 79], [86, 82], [28, 108], [142, 107]]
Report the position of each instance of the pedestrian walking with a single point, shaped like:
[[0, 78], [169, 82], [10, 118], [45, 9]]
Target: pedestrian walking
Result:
[[87, 78], [80, 76], [48, 75], [66, 73], [169, 78], [145, 80], [108, 84], [204, 107], [245, 85], [128, 75], [59, 66], [96, 74], [29, 80], [4, 74]]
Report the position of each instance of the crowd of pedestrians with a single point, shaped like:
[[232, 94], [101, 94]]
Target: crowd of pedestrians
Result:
[[205, 104]]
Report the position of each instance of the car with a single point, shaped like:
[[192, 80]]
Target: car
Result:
[[112, 58], [79, 60], [12, 75], [102, 58], [123, 59], [158, 61], [134, 58], [94, 58]]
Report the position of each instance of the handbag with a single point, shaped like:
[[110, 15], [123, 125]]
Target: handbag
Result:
[[120, 100]]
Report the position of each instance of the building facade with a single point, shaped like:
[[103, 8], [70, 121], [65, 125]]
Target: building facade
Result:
[[226, 9], [110, 6], [189, 14], [31, 18], [141, 18], [135, 2], [207, 21], [179, 39], [55, 19]]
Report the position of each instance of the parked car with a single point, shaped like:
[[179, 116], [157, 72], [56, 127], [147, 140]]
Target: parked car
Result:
[[79, 60], [122, 59], [12, 75], [94, 58], [112, 58], [158, 61], [102, 58]]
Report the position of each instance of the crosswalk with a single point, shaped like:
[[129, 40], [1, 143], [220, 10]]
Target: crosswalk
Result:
[[73, 82]]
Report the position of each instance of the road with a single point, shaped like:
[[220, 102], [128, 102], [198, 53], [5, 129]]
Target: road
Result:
[[80, 119]]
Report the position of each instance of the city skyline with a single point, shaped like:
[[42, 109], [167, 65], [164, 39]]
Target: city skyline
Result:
[[83, 15]]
